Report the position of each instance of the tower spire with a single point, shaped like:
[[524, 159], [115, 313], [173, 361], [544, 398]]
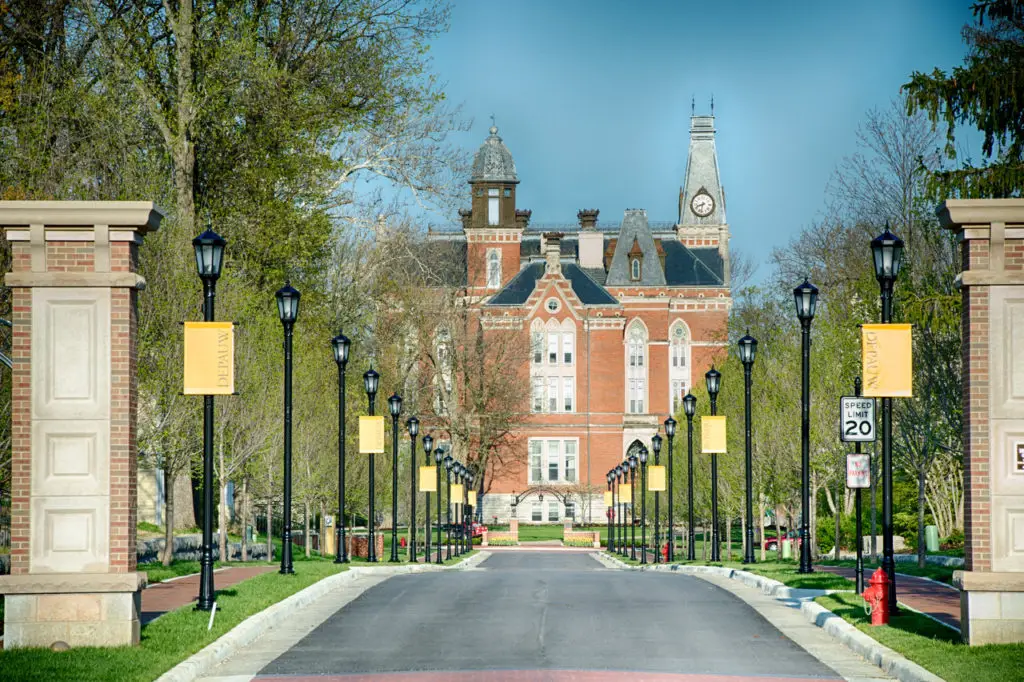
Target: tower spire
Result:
[[693, 105]]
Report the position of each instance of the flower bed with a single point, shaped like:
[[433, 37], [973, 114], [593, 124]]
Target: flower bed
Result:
[[580, 538]]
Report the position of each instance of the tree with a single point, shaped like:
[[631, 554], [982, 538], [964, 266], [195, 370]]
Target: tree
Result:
[[986, 91]]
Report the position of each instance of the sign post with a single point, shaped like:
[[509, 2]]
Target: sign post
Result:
[[858, 426]]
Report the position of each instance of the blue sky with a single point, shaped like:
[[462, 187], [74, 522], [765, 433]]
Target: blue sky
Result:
[[593, 98]]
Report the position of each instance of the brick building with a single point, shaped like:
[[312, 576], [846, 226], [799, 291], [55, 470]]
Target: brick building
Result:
[[622, 320]]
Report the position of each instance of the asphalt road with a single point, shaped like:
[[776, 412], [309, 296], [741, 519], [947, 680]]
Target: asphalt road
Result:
[[533, 611]]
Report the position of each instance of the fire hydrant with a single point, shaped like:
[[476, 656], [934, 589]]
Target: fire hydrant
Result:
[[402, 543], [877, 598], [664, 552]]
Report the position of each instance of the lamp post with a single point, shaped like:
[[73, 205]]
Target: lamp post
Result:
[[428, 445], [438, 459], [656, 446], [341, 345], [670, 431], [448, 462], [288, 311], [806, 298], [748, 350], [453, 522], [470, 478], [610, 512], [209, 249], [632, 506], [643, 505], [713, 379], [689, 408], [620, 471], [413, 425], [887, 252], [395, 408], [371, 379]]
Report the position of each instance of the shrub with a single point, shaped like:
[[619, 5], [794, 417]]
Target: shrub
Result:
[[578, 542], [502, 542], [847, 532], [954, 541]]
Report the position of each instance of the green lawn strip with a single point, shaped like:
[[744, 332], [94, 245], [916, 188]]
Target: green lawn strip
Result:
[[931, 645], [786, 572], [942, 574], [166, 641], [157, 572]]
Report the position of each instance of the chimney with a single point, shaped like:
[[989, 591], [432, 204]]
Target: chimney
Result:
[[465, 215], [591, 241], [523, 217], [553, 252]]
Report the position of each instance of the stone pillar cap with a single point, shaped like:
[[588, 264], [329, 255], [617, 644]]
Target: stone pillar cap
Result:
[[142, 215]]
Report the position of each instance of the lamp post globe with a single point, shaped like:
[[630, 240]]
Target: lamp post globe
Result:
[[689, 409], [713, 381], [805, 297], [341, 346], [747, 352], [371, 380], [887, 253], [209, 252], [288, 311]]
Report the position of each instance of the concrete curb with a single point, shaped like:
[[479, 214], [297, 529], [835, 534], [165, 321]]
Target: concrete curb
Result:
[[870, 649], [257, 624]]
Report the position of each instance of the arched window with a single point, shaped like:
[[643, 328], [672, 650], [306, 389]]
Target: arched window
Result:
[[636, 368], [679, 363], [634, 270], [493, 269]]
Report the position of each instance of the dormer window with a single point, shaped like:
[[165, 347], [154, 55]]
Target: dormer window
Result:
[[634, 270], [492, 207]]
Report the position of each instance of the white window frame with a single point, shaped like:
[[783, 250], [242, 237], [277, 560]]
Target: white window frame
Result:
[[679, 363], [553, 514], [637, 361], [536, 454], [574, 455], [552, 454], [537, 511], [568, 402], [493, 268], [493, 207], [553, 361], [568, 347]]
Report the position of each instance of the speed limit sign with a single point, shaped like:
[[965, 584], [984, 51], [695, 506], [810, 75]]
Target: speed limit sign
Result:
[[858, 423]]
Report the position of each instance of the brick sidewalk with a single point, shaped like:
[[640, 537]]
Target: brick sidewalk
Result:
[[938, 601], [160, 598]]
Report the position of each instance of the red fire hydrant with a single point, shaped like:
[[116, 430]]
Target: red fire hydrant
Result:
[[664, 552], [402, 543], [877, 598]]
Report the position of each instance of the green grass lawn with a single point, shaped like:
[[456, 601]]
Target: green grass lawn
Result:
[[933, 646], [942, 574], [168, 639]]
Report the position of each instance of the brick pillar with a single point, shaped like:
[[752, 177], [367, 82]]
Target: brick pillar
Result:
[[74, 407], [991, 233]]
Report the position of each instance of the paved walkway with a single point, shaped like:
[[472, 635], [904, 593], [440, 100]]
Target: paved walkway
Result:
[[160, 598], [935, 599]]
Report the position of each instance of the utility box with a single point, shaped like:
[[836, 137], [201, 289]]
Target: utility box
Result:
[[329, 540], [787, 549], [931, 538]]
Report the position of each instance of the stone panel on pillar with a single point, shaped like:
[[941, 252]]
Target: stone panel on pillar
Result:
[[74, 411]]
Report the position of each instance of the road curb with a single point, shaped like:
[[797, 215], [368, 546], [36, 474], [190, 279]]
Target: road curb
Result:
[[250, 629], [891, 662]]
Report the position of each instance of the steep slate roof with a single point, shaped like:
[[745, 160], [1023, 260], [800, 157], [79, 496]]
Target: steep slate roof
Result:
[[518, 290], [493, 161], [692, 267], [702, 173], [530, 246], [635, 228]]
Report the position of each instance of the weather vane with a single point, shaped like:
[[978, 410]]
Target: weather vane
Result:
[[493, 124]]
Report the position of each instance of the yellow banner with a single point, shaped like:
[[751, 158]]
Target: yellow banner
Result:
[[656, 478], [457, 493], [887, 360], [625, 494], [472, 498], [607, 498], [712, 435], [428, 480], [371, 435], [209, 358]]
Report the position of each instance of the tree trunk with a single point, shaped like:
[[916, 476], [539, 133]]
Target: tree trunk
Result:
[[728, 537], [760, 523], [245, 519], [704, 543], [168, 556], [839, 494], [323, 535], [305, 537], [222, 509], [270, 530], [921, 548]]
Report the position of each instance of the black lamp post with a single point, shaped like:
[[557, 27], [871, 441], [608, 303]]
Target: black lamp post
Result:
[[458, 508], [670, 431], [288, 311], [887, 251], [643, 505], [689, 408], [395, 408], [464, 472], [621, 470], [428, 445], [656, 446], [371, 380], [748, 350], [610, 512], [341, 345], [448, 462], [413, 425], [438, 459], [209, 248], [806, 298], [632, 506], [713, 379]]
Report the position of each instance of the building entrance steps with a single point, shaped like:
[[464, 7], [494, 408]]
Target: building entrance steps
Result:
[[160, 598], [941, 602]]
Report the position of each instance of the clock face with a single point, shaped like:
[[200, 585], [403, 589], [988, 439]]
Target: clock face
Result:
[[702, 204]]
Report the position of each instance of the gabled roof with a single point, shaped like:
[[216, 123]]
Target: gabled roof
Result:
[[518, 290], [635, 230]]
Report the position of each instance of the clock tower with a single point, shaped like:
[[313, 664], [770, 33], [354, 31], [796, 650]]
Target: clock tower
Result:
[[702, 221]]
